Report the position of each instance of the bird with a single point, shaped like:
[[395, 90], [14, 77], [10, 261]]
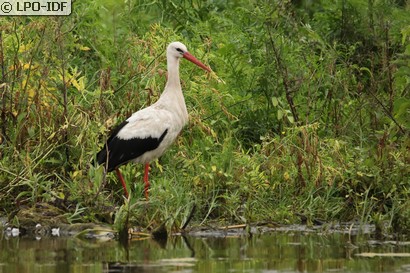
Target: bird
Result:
[[147, 133]]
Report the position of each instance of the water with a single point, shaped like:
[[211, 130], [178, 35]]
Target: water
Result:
[[273, 252]]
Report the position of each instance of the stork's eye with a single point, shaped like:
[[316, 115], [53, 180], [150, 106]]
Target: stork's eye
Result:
[[180, 50]]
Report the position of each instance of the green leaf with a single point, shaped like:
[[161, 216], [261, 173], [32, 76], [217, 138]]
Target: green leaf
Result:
[[275, 101], [291, 119], [280, 114]]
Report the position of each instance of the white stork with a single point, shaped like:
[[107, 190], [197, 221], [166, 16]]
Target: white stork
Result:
[[147, 133]]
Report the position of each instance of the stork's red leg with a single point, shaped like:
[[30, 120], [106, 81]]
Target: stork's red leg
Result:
[[122, 181], [146, 186]]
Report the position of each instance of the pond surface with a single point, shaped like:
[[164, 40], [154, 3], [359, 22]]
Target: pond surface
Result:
[[277, 251]]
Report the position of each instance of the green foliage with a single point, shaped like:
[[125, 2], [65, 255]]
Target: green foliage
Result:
[[308, 112]]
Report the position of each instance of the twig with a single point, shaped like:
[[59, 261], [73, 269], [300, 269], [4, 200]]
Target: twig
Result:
[[284, 73], [191, 214], [64, 89], [229, 106], [4, 89], [234, 227], [387, 112]]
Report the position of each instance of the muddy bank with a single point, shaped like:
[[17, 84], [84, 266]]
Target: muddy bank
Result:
[[254, 229], [45, 223], [45, 220], [105, 232]]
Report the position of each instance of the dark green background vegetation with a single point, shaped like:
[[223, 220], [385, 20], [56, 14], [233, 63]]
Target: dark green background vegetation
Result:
[[308, 111]]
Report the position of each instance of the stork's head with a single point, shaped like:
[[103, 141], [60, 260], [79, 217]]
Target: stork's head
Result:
[[176, 49], [179, 50]]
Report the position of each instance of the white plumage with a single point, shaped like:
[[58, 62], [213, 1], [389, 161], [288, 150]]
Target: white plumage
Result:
[[146, 135]]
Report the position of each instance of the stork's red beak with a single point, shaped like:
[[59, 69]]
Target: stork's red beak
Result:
[[191, 58]]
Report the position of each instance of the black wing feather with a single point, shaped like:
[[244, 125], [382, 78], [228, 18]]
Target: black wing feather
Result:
[[117, 152]]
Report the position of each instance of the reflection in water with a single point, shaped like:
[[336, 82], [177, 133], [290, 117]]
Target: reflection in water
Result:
[[275, 252]]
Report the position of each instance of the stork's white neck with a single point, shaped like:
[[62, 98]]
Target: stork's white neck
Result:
[[173, 81], [172, 97]]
